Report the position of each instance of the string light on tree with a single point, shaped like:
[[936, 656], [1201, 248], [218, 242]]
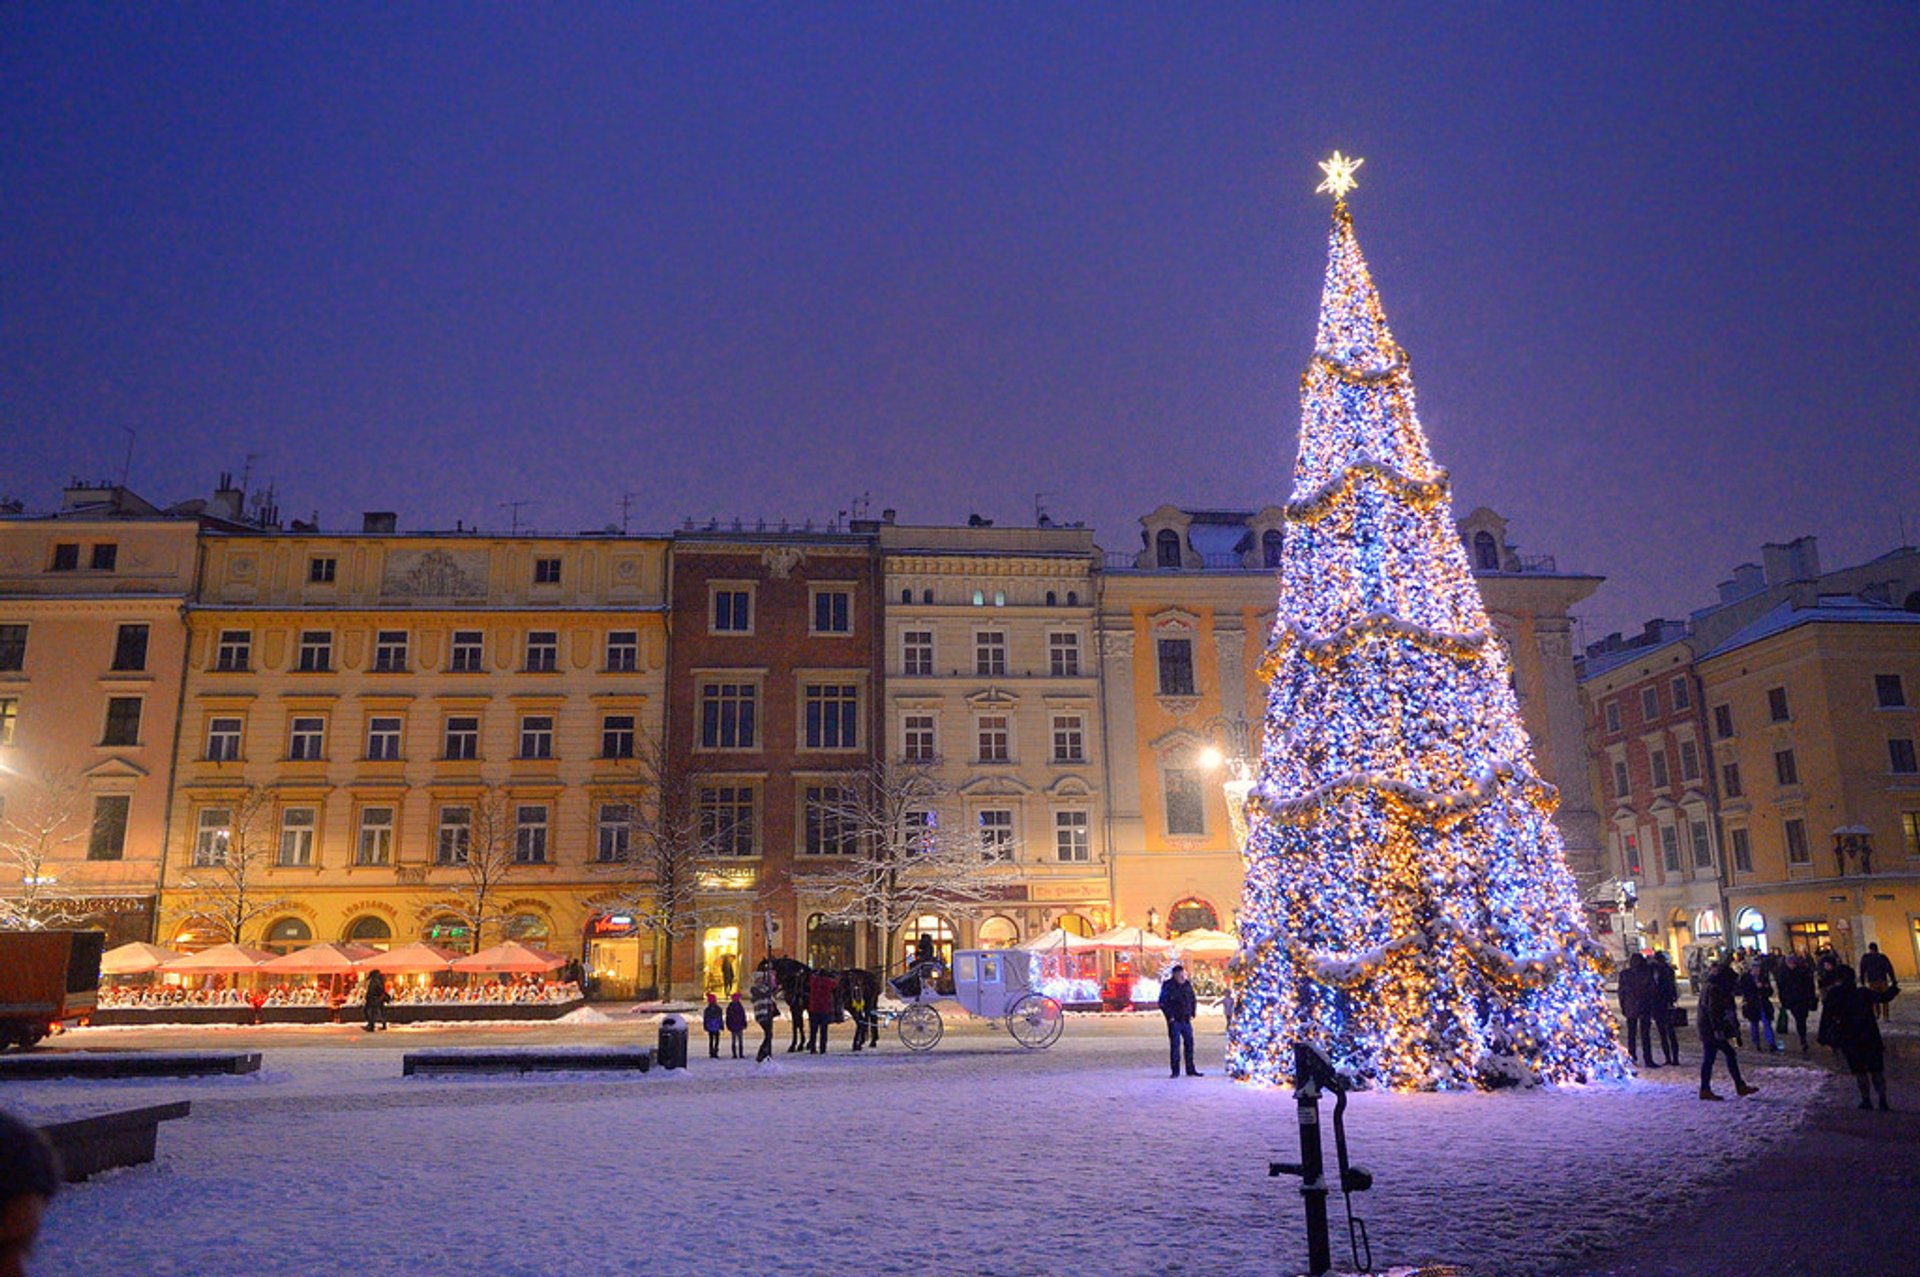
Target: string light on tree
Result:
[[1408, 906]]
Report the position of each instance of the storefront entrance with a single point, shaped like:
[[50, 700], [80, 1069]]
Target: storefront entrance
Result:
[[615, 955], [1808, 937], [720, 960], [829, 944]]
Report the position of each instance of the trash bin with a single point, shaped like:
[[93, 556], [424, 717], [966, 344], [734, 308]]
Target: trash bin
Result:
[[672, 1051]]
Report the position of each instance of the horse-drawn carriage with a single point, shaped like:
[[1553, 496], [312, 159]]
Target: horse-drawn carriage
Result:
[[992, 983]]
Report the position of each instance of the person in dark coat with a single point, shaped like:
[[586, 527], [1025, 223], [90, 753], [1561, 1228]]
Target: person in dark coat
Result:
[[821, 1008], [1797, 995], [1855, 1031], [1756, 1003], [1636, 989], [766, 1009], [1177, 1004], [1663, 995], [1720, 1030], [1876, 972], [726, 974], [737, 1025], [376, 1000], [713, 1020], [30, 1177]]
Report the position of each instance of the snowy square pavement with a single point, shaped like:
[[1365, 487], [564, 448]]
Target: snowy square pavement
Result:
[[977, 1158]]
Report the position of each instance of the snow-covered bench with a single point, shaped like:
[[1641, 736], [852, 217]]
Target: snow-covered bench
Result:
[[89, 1145]]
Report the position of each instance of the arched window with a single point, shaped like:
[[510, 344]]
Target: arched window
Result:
[[1075, 925], [1751, 925], [998, 933], [1706, 925], [1166, 549], [829, 944], [528, 928], [1073, 600], [979, 598], [1053, 600], [1192, 914], [369, 929], [1270, 544], [287, 935], [1486, 552], [906, 596], [926, 596], [933, 926]]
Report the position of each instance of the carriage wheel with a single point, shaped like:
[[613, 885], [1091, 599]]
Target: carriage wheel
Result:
[[921, 1027], [1036, 1021]]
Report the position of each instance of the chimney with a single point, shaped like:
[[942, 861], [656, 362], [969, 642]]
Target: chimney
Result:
[[227, 500], [379, 521], [1796, 560], [887, 515], [1747, 580]]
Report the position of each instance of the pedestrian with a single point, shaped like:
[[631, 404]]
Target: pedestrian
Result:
[[713, 1019], [1855, 1032], [1636, 990], [766, 1009], [737, 1025], [821, 1008], [1756, 1003], [376, 999], [726, 974], [1665, 998], [1177, 1004], [29, 1178], [1876, 972], [1720, 1030], [1797, 997]]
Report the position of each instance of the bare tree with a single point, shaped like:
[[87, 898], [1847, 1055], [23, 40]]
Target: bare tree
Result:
[[906, 851], [40, 816], [224, 886], [483, 854]]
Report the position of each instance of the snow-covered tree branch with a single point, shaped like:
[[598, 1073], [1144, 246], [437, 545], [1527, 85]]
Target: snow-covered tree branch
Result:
[[224, 886], [41, 816]]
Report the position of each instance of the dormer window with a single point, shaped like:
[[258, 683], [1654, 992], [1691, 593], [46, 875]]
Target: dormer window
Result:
[[1166, 548], [1486, 552], [1270, 543]]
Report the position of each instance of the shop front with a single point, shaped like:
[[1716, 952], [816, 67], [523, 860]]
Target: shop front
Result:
[[619, 955]]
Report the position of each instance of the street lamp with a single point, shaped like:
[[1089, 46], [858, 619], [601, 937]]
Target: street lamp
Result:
[[1229, 753]]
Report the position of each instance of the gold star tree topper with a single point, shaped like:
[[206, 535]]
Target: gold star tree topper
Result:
[[1339, 170]]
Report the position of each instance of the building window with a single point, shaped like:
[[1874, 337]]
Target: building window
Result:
[[1730, 780], [827, 832], [1271, 544], [320, 571], [1797, 852], [375, 846], [1723, 722], [1630, 854], [123, 721], [733, 611], [990, 653], [1621, 787], [616, 736], [916, 738], [536, 736], [832, 715], [1063, 654], [286, 935], [1186, 806], [66, 557], [920, 828], [466, 656], [1657, 764], [9, 716], [296, 835], [1900, 756], [13, 647], [1670, 848], [105, 556], [390, 651], [1649, 703], [530, 831], [996, 834], [1777, 704], [369, 930], [1742, 849], [383, 739], [1785, 770], [1166, 549], [234, 653], [543, 651], [1682, 694], [107, 839], [623, 651], [614, 830], [1069, 739], [1689, 761], [832, 611], [995, 745], [1888, 691], [130, 648], [1071, 844], [916, 652], [316, 652], [727, 715], [1702, 845], [463, 737], [1910, 832], [1176, 666], [726, 820], [546, 571], [306, 739], [906, 597], [455, 836], [211, 836], [223, 740], [1486, 552]]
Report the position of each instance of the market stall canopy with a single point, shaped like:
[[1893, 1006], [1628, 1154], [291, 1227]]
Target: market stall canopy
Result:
[[408, 958], [1205, 943], [222, 959], [1059, 941], [320, 959], [511, 957], [1130, 940], [135, 958]]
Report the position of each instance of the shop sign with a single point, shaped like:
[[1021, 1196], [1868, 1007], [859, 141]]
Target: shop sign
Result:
[[614, 924]]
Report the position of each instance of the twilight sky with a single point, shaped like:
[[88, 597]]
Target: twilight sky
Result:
[[1658, 266]]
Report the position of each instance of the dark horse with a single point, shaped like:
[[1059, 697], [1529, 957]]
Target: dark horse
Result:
[[791, 976], [855, 991]]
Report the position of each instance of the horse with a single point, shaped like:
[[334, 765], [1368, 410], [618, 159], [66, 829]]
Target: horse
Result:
[[790, 976], [859, 992]]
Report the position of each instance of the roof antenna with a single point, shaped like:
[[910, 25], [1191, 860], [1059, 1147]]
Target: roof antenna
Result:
[[515, 506], [626, 505], [127, 468]]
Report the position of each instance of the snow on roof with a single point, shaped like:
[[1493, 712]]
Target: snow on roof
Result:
[[1831, 609], [1595, 665]]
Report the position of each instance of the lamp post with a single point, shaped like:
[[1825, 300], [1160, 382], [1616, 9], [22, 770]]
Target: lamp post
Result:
[[1227, 751]]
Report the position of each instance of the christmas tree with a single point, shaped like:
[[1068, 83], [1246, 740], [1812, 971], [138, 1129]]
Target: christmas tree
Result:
[[1408, 906]]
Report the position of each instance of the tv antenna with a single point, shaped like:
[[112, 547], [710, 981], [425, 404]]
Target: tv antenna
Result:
[[127, 468], [514, 507], [626, 505]]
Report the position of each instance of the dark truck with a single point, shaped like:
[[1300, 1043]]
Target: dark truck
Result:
[[46, 977]]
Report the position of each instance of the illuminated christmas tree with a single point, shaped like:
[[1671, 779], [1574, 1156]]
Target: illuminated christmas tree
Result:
[[1408, 906]]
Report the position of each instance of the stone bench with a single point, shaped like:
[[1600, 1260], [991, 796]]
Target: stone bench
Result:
[[527, 1061], [89, 1145], [120, 1064]]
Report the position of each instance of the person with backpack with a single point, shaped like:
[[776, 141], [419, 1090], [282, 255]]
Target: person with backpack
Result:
[[713, 1020], [737, 1025], [1720, 1031], [766, 1009]]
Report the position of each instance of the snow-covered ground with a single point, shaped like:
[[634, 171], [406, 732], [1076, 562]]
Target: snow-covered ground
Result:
[[976, 1158]]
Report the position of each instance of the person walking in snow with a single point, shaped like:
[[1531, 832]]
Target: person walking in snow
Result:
[[1663, 996], [822, 1004], [1797, 997], [1876, 972], [376, 1000], [1177, 1004], [766, 1009], [1855, 1031], [737, 1025], [1636, 990], [1756, 1003], [1720, 1031], [713, 1020]]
